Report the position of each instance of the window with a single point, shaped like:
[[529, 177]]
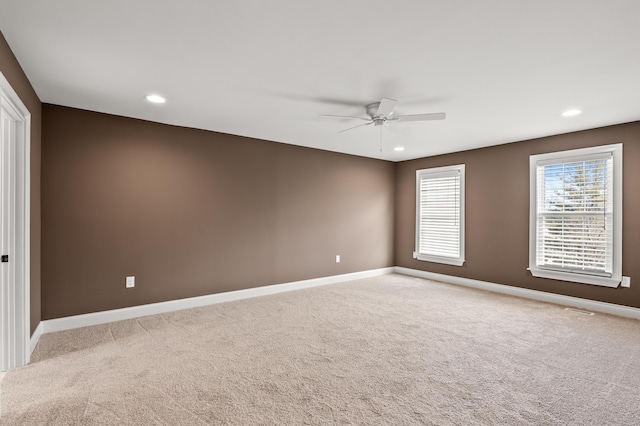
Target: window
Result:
[[440, 215], [576, 215]]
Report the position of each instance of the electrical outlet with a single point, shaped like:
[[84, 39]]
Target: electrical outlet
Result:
[[131, 282], [337, 258], [626, 282]]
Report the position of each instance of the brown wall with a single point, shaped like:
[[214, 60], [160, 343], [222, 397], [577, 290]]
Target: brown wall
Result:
[[12, 71], [191, 212], [497, 213]]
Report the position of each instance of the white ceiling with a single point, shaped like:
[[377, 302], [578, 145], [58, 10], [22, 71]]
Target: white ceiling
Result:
[[502, 70]]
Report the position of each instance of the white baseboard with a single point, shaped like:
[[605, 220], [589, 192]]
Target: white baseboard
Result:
[[85, 320], [591, 305], [77, 321], [35, 337]]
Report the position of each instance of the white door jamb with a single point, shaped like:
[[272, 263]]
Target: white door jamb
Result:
[[15, 294]]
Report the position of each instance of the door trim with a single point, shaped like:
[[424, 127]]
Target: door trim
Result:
[[16, 349]]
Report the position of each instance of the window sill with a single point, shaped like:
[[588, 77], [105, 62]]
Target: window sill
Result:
[[439, 259], [576, 278]]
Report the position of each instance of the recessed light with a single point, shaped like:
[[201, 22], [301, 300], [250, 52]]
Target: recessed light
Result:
[[571, 113], [399, 148], [156, 99]]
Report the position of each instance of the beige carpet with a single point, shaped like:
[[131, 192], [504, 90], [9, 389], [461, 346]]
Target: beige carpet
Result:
[[391, 350]]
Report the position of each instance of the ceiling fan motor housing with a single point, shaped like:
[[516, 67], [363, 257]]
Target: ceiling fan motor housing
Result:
[[372, 109]]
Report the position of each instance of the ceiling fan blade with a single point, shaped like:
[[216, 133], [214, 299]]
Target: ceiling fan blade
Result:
[[345, 116], [386, 107], [420, 117], [359, 125]]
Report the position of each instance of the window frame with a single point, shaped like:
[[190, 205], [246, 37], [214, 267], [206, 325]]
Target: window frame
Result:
[[561, 157], [439, 172]]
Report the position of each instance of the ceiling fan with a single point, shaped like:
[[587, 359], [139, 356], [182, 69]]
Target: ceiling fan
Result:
[[381, 113]]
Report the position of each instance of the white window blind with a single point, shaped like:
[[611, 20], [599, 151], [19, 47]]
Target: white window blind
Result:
[[440, 215], [575, 215]]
